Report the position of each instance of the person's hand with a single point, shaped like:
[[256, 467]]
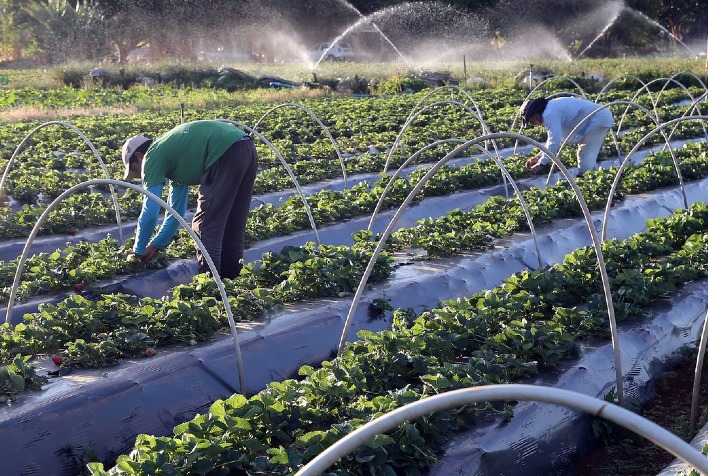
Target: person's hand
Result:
[[150, 252], [540, 169], [132, 258], [531, 163], [536, 167]]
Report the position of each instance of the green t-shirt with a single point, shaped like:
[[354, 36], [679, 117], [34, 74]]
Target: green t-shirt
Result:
[[185, 152]]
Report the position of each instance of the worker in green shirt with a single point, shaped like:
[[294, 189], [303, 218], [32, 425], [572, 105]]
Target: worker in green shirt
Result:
[[218, 157]]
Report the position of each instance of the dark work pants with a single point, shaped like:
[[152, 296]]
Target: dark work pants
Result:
[[224, 199]]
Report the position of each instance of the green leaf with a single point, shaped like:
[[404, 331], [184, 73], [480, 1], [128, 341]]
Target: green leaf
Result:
[[280, 456]]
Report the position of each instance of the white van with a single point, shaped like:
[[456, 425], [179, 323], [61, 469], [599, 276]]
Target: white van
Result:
[[338, 52]]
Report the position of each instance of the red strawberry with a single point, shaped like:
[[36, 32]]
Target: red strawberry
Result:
[[58, 360], [150, 352], [79, 287]]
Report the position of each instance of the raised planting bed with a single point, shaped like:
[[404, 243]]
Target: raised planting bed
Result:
[[413, 359], [335, 234], [550, 439], [424, 296], [103, 411]]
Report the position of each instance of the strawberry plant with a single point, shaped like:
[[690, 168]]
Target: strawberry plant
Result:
[[494, 336]]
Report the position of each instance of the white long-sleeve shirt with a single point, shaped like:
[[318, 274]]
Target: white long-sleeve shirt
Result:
[[563, 114]]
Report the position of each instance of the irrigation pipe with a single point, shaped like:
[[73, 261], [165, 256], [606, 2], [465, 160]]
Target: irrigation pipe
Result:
[[93, 149], [177, 216], [624, 163], [505, 173], [597, 245], [287, 168], [507, 392], [317, 119], [697, 375]]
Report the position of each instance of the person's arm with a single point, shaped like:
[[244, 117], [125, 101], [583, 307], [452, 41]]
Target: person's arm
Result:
[[147, 220], [178, 201], [555, 136]]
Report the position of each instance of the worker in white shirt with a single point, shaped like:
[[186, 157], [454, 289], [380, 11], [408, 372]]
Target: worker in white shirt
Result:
[[560, 116]]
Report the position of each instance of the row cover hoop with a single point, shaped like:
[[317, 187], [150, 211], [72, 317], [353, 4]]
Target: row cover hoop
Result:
[[163, 204], [690, 111], [624, 163], [622, 77], [505, 173], [507, 392], [697, 375], [287, 167], [321, 124], [672, 79], [91, 146], [651, 98], [453, 89], [400, 169], [586, 215], [411, 117], [415, 113]]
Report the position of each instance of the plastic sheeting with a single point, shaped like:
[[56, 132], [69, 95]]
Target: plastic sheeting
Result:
[[157, 283], [103, 411], [545, 439], [11, 249]]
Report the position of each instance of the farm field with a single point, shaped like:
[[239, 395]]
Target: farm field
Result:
[[478, 282]]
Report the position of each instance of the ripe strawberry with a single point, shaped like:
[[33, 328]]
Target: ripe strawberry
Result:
[[150, 352], [78, 287], [58, 360]]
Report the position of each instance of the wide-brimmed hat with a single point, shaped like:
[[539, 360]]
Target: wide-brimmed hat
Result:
[[129, 148], [531, 107]]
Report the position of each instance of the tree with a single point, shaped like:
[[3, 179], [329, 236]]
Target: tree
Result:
[[66, 31], [15, 41], [683, 18]]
